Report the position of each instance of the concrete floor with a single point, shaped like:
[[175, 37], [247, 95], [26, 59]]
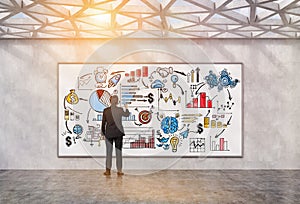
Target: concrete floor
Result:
[[203, 186]]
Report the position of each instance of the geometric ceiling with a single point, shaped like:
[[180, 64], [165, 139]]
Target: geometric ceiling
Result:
[[149, 19]]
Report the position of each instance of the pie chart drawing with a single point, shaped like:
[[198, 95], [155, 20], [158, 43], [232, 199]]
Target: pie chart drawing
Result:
[[99, 100]]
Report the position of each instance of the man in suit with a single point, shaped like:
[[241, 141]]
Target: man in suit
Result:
[[113, 131]]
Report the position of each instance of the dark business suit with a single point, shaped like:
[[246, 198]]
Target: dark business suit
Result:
[[113, 130]]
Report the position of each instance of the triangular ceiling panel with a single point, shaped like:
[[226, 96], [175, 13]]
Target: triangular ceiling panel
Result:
[[217, 19], [233, 27], [122, 19], [250, 28], [288, 29], [271, 34], [52, 19], [148, 26], [95, 35], [51, 35], [66, 2], [129, 26], [237, 4], [42, 10], [150, 19], [256, 33], [141, 34], [294, 18], [192, 6], [92, 12], [85, 26], [229, 35], [53, 28], [10, 36], [21, 18], [23, 27], [103, 21], [178, 23], [26, 2], [195, 34], [199, 28], [133, 9], [63, 24]]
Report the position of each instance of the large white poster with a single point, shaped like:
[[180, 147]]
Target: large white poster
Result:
[[175, 109]]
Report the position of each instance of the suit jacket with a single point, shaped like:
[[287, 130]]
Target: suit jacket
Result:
[[112, 121]]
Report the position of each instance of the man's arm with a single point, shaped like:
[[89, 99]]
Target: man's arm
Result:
[[126, 113], [103, 123]]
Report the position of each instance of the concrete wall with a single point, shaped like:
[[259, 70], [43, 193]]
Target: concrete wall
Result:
[[28, 113]]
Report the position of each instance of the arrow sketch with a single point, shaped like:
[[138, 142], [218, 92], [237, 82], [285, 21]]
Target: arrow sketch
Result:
[[88, 115], [229, 95], [69, 131], [217, 135], [228, 122]]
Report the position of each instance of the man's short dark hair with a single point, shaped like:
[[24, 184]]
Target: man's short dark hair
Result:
[[114, 100]]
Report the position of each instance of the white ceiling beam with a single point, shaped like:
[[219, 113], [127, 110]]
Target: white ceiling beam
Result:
[[132, 25], [187, 17], [285, 3], [194, 34], [206, 4], [6, 3], [197, 28], [234, 4], [216, 10], [61, 11], [164, 21], [121, 5], [221, 3], [8, 17], [265, 14], [136, 9], [286, 19], [252, 18], [234, 16], [153, 4], [154, 22], [168, 6], [62, 2], [263, 1], [270, 6]]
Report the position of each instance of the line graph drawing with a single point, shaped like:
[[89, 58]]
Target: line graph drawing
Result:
[[197, 144]]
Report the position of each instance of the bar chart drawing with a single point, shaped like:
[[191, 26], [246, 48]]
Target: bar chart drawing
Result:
[[139, 141], [200, 102], [197, 144], [220, 145], [129, 94], [131, 117], [137, 74]]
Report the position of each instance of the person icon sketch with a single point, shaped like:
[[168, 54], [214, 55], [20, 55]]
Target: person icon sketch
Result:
[[113, 131]]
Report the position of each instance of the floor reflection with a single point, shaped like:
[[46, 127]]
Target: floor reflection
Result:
[[207, 186]]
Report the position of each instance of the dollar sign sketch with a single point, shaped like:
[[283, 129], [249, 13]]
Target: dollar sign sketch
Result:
[[68, 143], [150, 97], [73, 99], [200, 129]]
